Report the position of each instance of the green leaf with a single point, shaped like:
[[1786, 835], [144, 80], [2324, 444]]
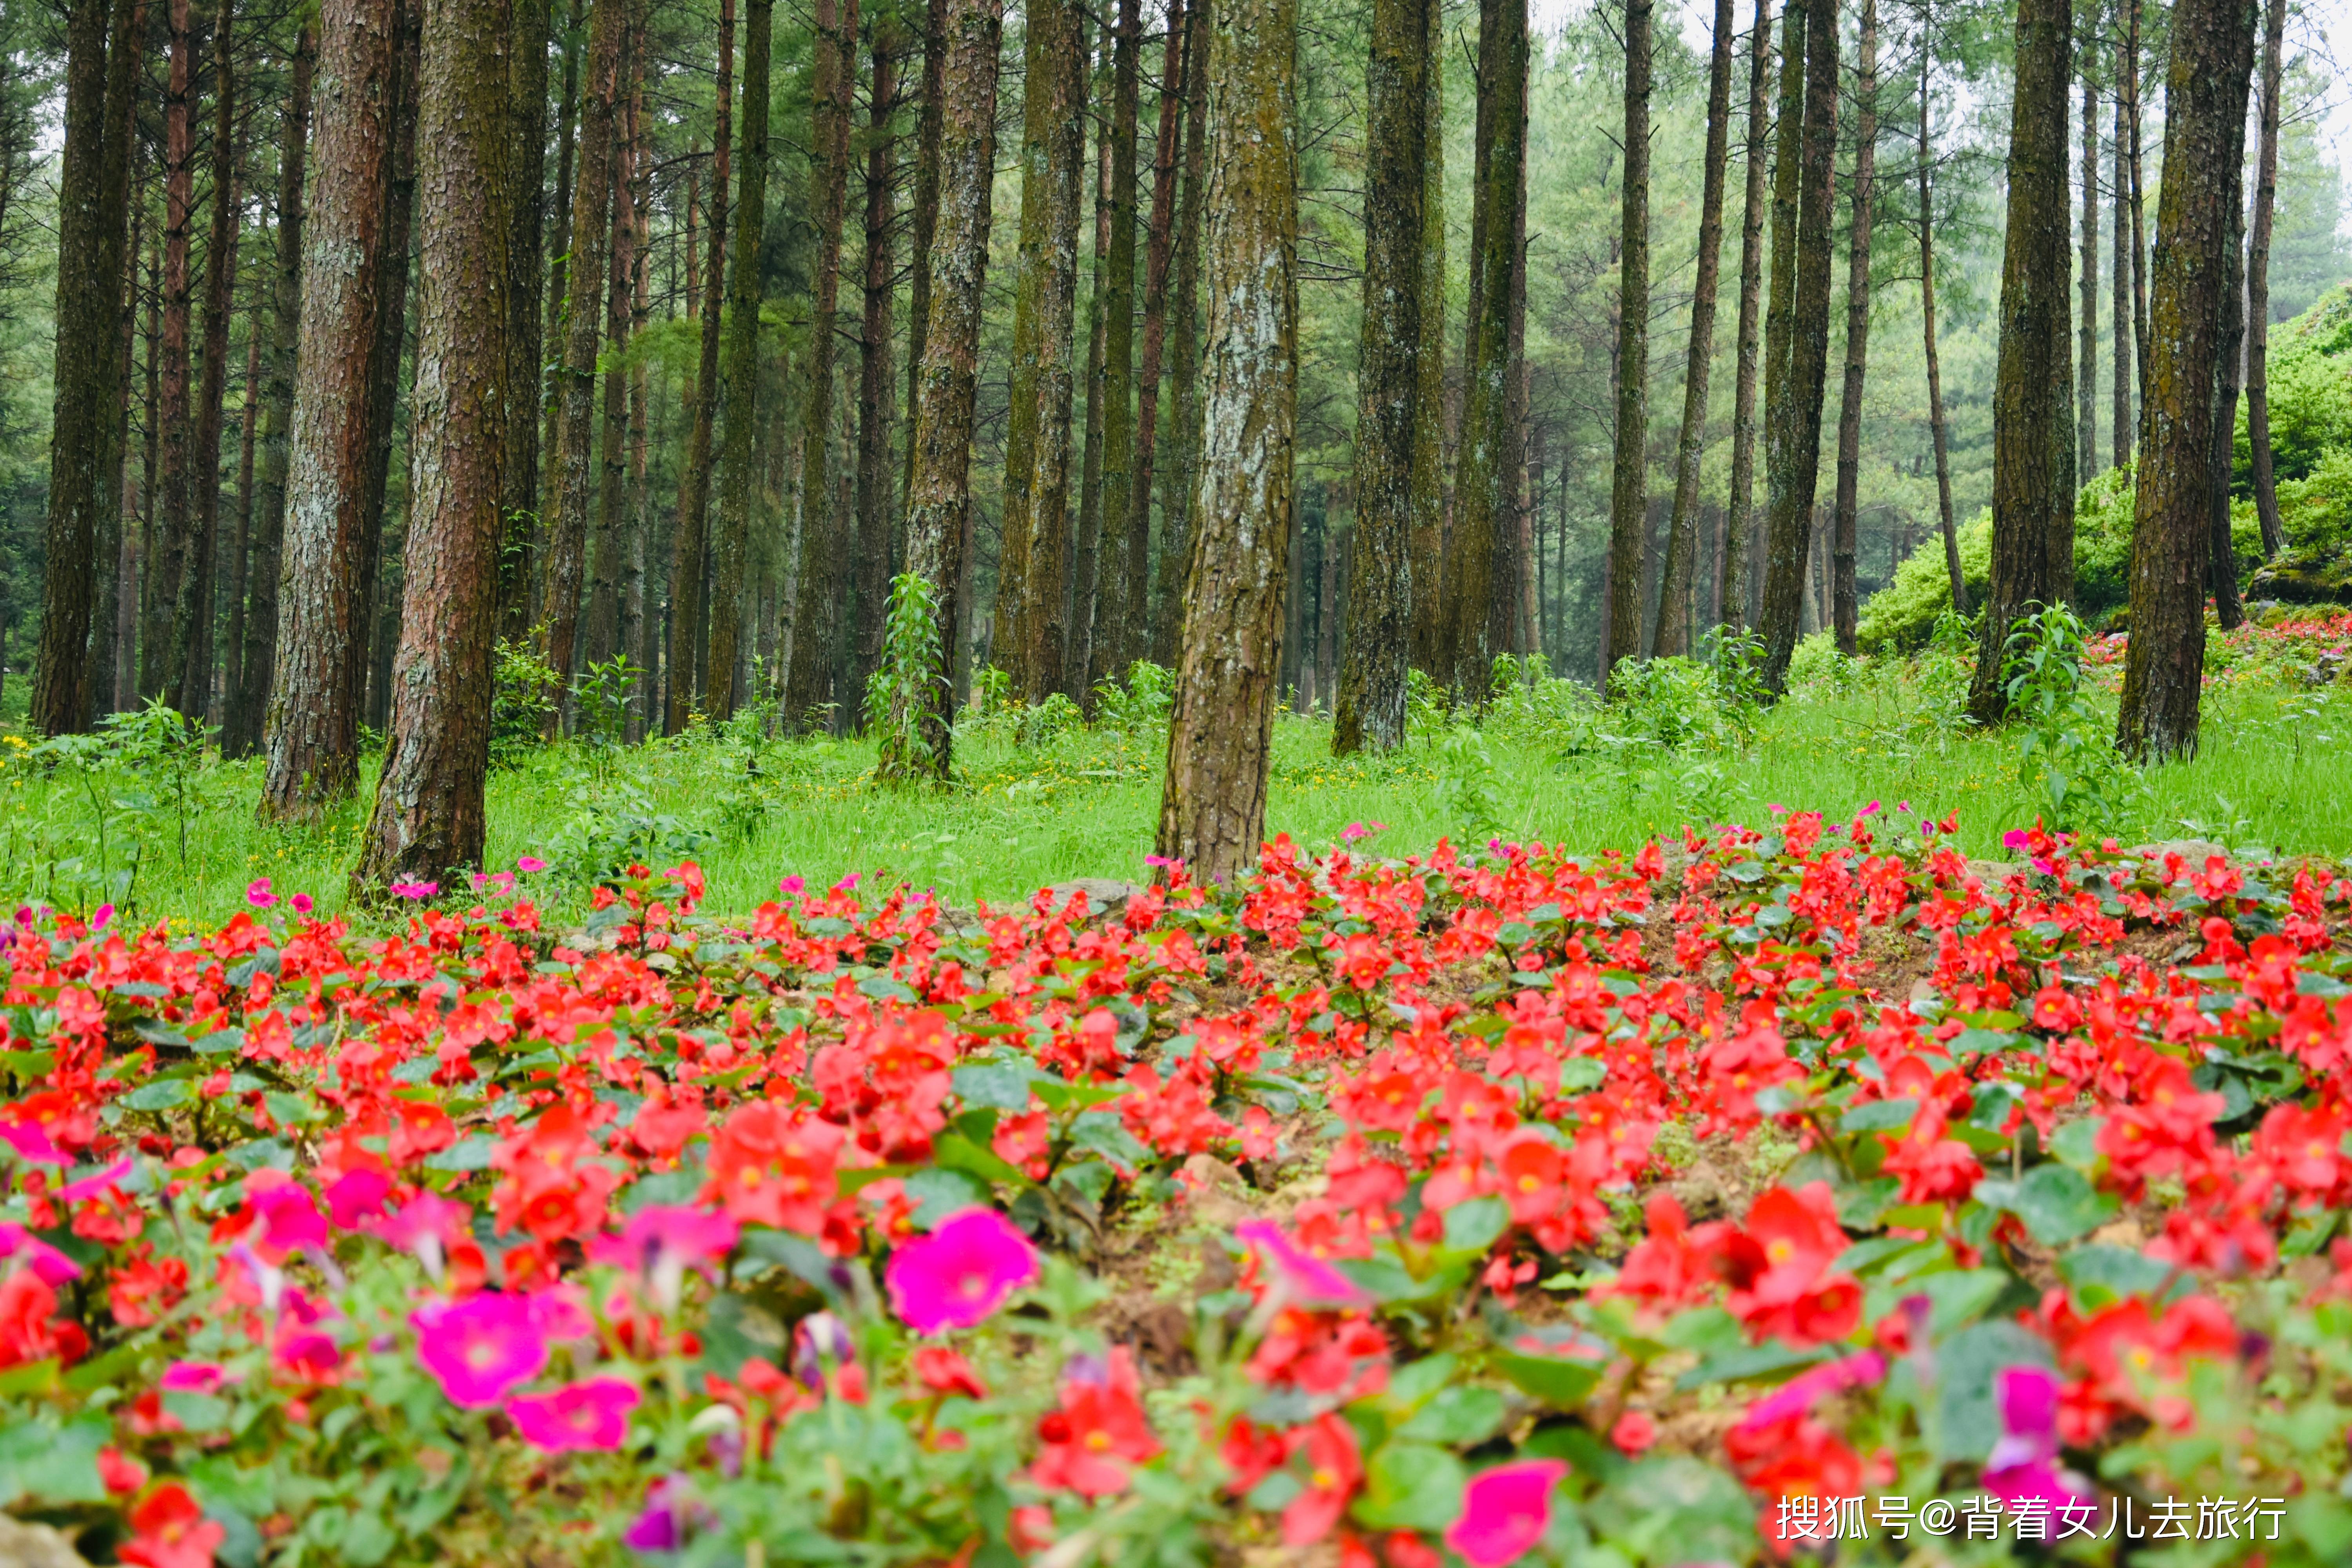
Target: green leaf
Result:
[[52, 1463], [1746, 1364], [469, 1153], [161, 1095], [1005, 1087], [2056, 1202], [957, 1153], [1980, 1042], [1461, 1414], [1062, 1095], [1413, 1383], [2100, 1273], [939, 1192], [1473, 1227], [292, 1110], [1879, 1116], [1967, 1418], [2077, 1143], [1105, 1134], [1411, 1486], [1556, 1380]]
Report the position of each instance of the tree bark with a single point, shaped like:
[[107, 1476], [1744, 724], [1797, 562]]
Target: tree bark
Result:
[[1159, 238], [688, 562], [2034, 427], [585, 284], [2086, 325], [241, 545], [2120, 267], [1673, 638], [923, 223], [161, 650], [1182, 469], [814, 525], [1480, 508], [526, 273], [1736, 523], [1085, 602], [1629, 496], [429, 821], [2258, 286], [558, 294], [1937, 432], [1220, 736], [313, 717], [1369, 711], [85, 493], [1845, 606], [1427, 479], [921, 734], [2138, 205], [1124, 560], [602, 630], [2204, 129], [874, 497], [2229, 372], [741, 362], [192, 619], [1044, 25], [1798, 364]]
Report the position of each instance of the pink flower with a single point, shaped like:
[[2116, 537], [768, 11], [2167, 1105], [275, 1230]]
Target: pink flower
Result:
[[502, 880], [661, 1241], [590, 1414], [2023, 1463], [427, 1224], [302, 903], [290, 1221], [415, 889], [32, 1144], [1310, 1280], [357, 1195], [791, 886], [479, 1350], [846, 883], [1161, 862], [1801, 1393], [528, 864], [104, 917], [97, 1181], [53, 1267], [2015, 838], [195, 1377], [257, 893], [561, 1312], [960, 1273], [670, 1514], [1504, 1511]]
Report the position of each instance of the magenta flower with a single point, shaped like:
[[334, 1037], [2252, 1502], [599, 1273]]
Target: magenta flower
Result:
[[357, 1195], [848, 882], [257, 893], [97, 1181], [2015, 838], [2023, 1463], [671, 1513], [527, 864], [481, 1349], [32, 1144], [590, 1414], [791, 886], [1504, 1511], [425, 1225], [290, 1221], [53, 1267], [195, 1377], [103, 918], [1801, 1393], [302, 903], [559, 1312], [1310, 1280], [960, 1273], [661, 1241], [415, 889]]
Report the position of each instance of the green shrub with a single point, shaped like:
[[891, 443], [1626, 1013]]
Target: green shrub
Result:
[[2317, 510]]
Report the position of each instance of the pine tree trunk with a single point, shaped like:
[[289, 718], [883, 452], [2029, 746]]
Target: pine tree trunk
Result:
[[632, 578], [1673, 639], [1124, 558], [2138, 205], [240, 550], [92, 219], [815, 618], [602, 635], [1370, 710], [1159, 239], [1938, 434], [2229, 376], [241, 736], [526, 271], [2258, 287], [2119, 267], [740, 367], [558, 294], [1427, 479], [1629, 502], [1844, 607], [2204, 129], [1738, 523], [1220, 736], [429, 822], [921, 732], [313, 720], [162, 651], [1084, 602], [1479, 485], [874, 496], [114, 619], [923, 223], [1182, 469], [2034, 427], [574, 481], [1800, 358], [192, 619], [2086, 326], [688, 562], [1511, 448]]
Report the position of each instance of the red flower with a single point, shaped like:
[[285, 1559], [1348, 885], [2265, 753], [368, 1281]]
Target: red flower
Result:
[[774, 1167], [1333, 1473], [26, 1334], [169, 1531], [945, 1372], [1934, 1168], [1098, 1433], [1781, 1280]]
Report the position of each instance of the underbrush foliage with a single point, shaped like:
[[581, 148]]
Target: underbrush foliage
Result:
[[1496, 1208]]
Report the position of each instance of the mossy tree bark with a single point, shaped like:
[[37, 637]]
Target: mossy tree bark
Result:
[[602, 630], [739, 365], [2258, 286], [1937, 432], [689, 554], [311, 727], [938, 511], [1629, 489], [1176, 484], [162, 651], [1738, 519], [526, 278], [2086, 311], [1124, 558], [1158, 248], [2203, 129], [1220, 735], [1371, 697], [1844, 607], [872, 503], [429, 821], [192, 616], [2034, 419], [1427, 479], [2119, 282], [1673, 638], [2229, 374]]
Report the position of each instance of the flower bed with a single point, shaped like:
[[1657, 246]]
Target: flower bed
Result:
[[1710, 1202]]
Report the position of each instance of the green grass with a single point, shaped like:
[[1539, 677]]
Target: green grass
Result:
[[2271, 774]]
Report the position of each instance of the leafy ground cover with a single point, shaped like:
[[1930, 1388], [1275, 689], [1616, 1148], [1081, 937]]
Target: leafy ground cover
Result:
[[1805, 1187]]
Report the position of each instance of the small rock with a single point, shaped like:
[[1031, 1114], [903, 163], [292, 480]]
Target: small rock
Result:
[[24, 1545], [2193, 852], [1107, 899]]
